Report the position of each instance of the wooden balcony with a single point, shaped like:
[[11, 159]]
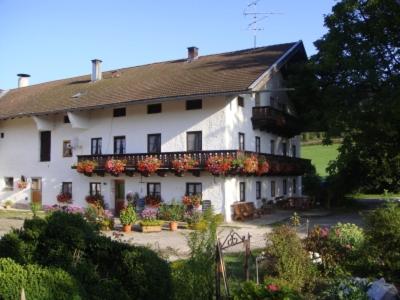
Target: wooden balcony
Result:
[[279, 165], [275, 121]]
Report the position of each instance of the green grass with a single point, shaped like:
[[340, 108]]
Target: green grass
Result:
[[320, 156], [18, 214], [373, 196]]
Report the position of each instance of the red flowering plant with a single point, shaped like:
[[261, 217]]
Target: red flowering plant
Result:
[[250, 164], [218, 165], [149, 165], [263, 166], [96, 200], [184, 164], [153, 200], [86, 166], [192, 200], [22, 185], [64, 198], [115, 166]]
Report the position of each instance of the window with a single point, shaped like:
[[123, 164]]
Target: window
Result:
[[119, 112], [194, 104], [154, 189], [241, 141], [67, 149], [240, 101], [284, 149], [154, 108], [258, 189], [194, 141], [66, 188], [284, 186], [94, 188], [272, 147], [2, 135], [242, 191], [8, 183], [272, 101], [154, 143], [272, 188], [66, 119], [294, 154], [257, 100], [258, 144], [45, 145], [193, 188], [119, 145], [294, 185], [96, 146]]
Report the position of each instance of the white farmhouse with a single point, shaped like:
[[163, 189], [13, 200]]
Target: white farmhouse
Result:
[[223, 105]]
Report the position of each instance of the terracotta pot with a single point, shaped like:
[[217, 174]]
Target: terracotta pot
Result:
[[127, 228], [173, 225]]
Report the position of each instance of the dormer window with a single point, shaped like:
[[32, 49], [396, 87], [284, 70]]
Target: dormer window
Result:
[[154, 108], [194, 104], [119, 112], [66, 119]]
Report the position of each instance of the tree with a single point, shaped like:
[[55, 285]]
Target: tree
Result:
[[357, 74]]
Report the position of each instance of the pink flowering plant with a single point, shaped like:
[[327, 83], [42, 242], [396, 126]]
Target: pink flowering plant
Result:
[[150, 217]]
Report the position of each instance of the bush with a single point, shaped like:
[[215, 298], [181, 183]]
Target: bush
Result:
[[346, 288], [382, 228], [38, 282], [288, 259], [269, 290]]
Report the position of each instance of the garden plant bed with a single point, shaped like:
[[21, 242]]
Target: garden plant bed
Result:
[[147, 229]]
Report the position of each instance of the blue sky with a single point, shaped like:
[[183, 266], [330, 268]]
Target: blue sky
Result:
[[57, 39]]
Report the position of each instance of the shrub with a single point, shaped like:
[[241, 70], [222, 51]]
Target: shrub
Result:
[[288, 259], [347, 237], [128, 216], [346, 288], [38, 282], [382, 228], [270, 289]]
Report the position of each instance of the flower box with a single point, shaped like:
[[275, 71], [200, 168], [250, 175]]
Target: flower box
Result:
[[150, 228]]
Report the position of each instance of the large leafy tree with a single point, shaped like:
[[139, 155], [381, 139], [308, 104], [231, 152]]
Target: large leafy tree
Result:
[[357, 88]]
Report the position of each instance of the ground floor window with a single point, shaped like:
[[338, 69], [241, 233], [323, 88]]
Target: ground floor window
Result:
[[294, 184], [95, 188], [154, 189], [272, 188], [8, 183], [242, 191], [193, 188], [284, 186], [258, 189], [66, 188]]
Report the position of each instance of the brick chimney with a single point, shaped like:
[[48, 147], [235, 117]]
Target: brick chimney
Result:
[[96, 70], [23, 80], [193, 53]]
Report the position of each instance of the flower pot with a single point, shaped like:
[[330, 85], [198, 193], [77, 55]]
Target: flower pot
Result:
[[127, 228], [173, 225], [153, 228]]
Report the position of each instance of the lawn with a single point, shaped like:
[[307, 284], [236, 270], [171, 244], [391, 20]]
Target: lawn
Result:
[[18, 214], [320, 156]]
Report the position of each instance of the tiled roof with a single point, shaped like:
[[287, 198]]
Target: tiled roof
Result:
[[210, 74]]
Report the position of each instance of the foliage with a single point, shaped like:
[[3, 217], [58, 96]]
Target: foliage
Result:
[[149, 165], [346, 288], [98, 216], [192, 217], [38, 282], [192, 200], [171, 212], [128, 215], [382, 228], [86, 166], [218, 165], [35, 207], [115, 166], [288, 259], [270, 289], [64, 198], [153, 200], [184, 164], [194, 277], [347, 237], [321, 156], [96, 200]]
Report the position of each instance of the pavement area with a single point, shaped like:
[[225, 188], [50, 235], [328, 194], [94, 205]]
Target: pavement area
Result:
[[173, 245]]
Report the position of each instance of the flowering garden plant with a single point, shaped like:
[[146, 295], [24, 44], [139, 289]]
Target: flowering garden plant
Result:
[[218, 165], [86, 166], [150, 217], [95, 200], [115, 166], [263, 167], [64, 198], [192, 200], [149, 165], [250, 164], [22, 185], [184, 163], [153, 200]]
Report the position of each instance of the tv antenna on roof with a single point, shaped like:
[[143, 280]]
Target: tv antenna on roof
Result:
[[256, 18]]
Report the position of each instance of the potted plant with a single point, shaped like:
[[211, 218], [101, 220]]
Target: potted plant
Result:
[[153, 200], [86, 167], [149, 165], [218, 165], [115, 166], [150, 222], [172, 213], [96, 200], [64, 198], [8, 204], [183, 164], [192, 201], [127, 217]]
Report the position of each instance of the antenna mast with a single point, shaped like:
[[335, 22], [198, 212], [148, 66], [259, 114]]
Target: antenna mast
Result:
[[256, 18]]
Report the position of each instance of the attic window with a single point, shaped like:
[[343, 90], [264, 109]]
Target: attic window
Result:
[[66, 119], [240, 101], [119, 112], [194, 104], [154, 108]]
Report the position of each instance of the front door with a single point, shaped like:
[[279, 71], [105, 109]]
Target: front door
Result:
[[36, 190], [119, 196]]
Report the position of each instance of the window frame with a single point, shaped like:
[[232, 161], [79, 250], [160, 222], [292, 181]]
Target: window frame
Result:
[[154, 192], [195, 188], [273, 188], [99, 145], [45, 146], [117, 138], [242, 191], [242, 141], [258, 190], [155, 108], [66, 187], [67, 151], [158, 135], [294, 186], [119, 112], [258, 144], [66, 119], [200, 134], [94, 188], [194, 104], [284, 186]]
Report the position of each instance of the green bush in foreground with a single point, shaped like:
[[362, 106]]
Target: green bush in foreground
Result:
[[38, 282]]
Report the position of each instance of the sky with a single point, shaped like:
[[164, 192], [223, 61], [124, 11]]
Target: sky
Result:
[[56, 39]]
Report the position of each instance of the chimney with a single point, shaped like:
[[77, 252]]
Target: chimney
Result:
[[193, 53], [23, 80], [96, 70]]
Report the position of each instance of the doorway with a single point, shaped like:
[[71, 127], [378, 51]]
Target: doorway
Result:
[[36, 188], [119, 196]]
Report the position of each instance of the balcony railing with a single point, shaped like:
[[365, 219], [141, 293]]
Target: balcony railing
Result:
[[275, 121], [279, 165]]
